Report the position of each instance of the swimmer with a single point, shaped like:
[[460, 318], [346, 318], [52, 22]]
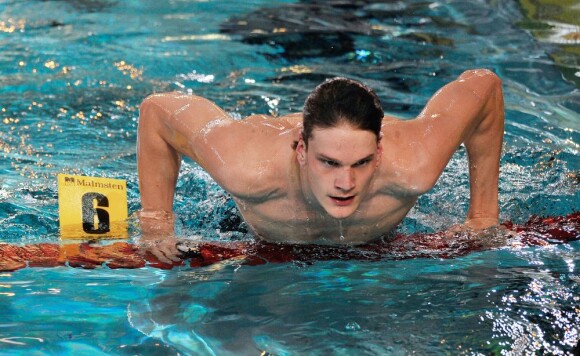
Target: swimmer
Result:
[[340, 172]]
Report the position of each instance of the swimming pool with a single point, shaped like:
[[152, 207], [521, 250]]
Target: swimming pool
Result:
[[73, 74]]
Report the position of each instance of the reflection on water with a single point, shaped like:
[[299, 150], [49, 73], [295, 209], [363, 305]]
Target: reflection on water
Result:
[[483, 303], [73, 75]]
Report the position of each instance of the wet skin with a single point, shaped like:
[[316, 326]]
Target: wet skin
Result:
[[337, 168], [344, 185]]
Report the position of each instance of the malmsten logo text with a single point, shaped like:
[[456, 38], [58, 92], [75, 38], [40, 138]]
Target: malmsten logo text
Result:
[[92, 184]]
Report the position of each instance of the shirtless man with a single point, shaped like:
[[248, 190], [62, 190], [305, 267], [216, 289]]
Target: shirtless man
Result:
[[338, 173]]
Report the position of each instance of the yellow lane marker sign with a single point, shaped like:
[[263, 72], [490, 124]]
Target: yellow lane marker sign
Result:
[[91, 207]]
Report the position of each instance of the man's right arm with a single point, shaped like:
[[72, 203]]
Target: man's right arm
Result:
[[168, 126]]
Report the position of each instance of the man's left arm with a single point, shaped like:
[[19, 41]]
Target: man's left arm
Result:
[[469, 110], [484, 147]]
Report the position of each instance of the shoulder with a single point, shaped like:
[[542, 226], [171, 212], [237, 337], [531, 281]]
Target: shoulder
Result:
[[186, 114], [253, 137], [471, 85], [415, 151], [172, 102], [252, 158], [479, 77], [403, 161]]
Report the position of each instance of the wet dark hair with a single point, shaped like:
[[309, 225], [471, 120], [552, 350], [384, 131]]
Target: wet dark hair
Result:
[[341, 100]]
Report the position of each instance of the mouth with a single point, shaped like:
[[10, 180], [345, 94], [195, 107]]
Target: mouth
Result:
[[342, 201]]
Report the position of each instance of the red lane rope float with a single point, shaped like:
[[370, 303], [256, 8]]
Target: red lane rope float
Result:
[[536, 231]]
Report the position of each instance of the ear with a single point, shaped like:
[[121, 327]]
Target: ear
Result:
[[301, 151]]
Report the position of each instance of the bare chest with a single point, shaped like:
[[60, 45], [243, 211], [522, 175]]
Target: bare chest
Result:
[[292, 221]]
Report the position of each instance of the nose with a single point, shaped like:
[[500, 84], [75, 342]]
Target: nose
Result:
[[345, 181]]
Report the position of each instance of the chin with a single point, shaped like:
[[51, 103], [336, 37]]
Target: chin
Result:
[[340, 212]]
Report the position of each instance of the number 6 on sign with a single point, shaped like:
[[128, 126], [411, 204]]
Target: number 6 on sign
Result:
[[95, 216], [92, 207]]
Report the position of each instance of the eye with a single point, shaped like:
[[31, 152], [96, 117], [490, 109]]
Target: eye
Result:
[[329, 163], [362, 162]]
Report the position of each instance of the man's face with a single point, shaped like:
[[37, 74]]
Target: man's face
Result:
[[339, 164]]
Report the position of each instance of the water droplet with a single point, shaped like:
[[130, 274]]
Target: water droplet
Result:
[[352, 326]]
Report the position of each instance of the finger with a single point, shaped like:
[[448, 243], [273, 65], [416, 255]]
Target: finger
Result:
[[170, 253], [175, 252], [456, 228], [160, 255]]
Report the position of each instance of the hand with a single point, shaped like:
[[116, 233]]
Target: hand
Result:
[[158, 237], [476, 225], [162, 247], [480, 223], [477, 234]]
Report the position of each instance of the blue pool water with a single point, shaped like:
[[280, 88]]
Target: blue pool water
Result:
[[72, 75]]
